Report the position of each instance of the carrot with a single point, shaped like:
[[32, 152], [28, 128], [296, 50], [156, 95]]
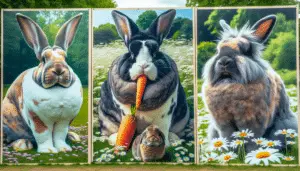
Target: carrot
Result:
[[126, 130], [141, 85]]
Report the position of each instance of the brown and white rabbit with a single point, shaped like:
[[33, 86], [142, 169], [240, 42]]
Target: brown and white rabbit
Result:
[[42, 102], [164, 102]]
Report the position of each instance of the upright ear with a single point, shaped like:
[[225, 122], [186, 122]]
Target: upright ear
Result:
[[33, 34], [224, 25], [67, 32], [160, 28], [263, 28], [125, 26]]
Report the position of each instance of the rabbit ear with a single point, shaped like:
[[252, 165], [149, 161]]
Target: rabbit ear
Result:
[[67, 32], [125, 26], [160, 28], [263, 28], [224, 25], [33, 34]]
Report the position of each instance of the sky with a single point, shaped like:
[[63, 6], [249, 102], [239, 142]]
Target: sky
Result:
[[150, 3], [103, 16]]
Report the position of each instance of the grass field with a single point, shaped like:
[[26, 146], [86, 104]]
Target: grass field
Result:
[[103, 55], [80, 149]]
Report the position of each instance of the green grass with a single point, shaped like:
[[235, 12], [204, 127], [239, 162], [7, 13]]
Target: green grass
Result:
[[79, 153]]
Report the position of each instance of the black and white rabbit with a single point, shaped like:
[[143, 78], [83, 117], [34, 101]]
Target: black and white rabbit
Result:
[[164, 102], [42, 102]]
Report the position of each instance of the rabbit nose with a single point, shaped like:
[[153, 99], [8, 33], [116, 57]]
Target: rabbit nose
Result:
[[225, 62], [58, 68]]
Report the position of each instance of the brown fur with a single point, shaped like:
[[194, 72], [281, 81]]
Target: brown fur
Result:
[[244, 105], [39, 125]]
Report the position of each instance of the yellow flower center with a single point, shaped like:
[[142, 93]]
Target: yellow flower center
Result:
[[283, 132], [238, 142], [201, 142], [259, 141], [263, 154], [218, 144], [288, 159], [270, 144], [227, 157], [210, 159], [292, 135], [243, 134]]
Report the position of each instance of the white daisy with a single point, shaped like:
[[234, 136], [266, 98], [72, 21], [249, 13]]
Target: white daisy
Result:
[[281, 132], [209, 157], [259, 141], [292, 133], [270, 143], [243, 134], [191, 155], [186, 159], [219, 144], [236, 143], [202, 141], [177, 154], [291, 142], [226, 157], [288, 158], [263, 155]]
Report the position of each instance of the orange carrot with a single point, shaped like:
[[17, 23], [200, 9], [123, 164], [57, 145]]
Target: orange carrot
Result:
[[126, 130], [141, 85]]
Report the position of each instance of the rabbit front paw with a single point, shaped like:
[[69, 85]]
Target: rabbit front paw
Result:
[[47, 149], [22, 145], [63, 147]]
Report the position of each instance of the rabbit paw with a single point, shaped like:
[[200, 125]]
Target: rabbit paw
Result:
[[47, 150], [22, 145], [112, 139], [72, 136], [63, 147]]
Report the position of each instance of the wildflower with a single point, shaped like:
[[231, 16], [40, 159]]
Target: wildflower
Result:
[[281, 132], [236, 143], [270, 143], [209, 157], [186, 159], [219, 144], [226, 157], [243, 134], [259, 141], [263, 155], [290, 142], [202, 141], [288, 158]]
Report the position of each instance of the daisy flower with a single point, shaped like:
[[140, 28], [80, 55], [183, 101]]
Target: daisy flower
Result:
[[288, 158], [243, 134], [281, 132], [226, 157], [236, 143], [259, 141], [292, 133], [270, 143], [263, 155], [290, 142], [209, 157], [219, 144]]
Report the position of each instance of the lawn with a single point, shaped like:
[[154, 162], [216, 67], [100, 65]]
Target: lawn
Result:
[[103, 55], [80, 149]]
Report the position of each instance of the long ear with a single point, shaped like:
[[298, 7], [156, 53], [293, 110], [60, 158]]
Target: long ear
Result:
[[125, 26], [160, 28], [67, 32], [224, 25], [263, 28], [33, 34]]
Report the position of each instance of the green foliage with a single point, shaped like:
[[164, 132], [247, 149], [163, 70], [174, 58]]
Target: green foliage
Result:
[[281, 51], [105, 33], [18, 56], [57, 3], [216, 3], [146, 18], [212, 23], [181, 28], [176, 35], [288, 76], [205, 51]]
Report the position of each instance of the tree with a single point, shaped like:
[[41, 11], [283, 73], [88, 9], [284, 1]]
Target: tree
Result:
[[211, 3], [105, 33], [146, 18], [205, 51], [57, 3], [181, 28]]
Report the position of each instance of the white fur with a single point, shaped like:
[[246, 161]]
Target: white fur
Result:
[[152, 117], [143, 65], [57, 107]]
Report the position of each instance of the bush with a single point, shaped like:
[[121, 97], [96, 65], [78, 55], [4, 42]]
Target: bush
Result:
[[288, 76], [105, 33], [205, 51]]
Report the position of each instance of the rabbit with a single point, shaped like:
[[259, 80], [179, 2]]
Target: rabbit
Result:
[[241, 91], [164, 102], [150, 145], [42, 102]]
